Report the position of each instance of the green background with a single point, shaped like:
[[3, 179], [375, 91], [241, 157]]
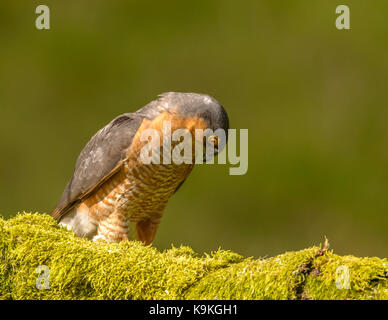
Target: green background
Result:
[[313, 99]]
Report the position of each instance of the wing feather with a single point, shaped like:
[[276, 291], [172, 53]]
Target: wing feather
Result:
[[101, 158]]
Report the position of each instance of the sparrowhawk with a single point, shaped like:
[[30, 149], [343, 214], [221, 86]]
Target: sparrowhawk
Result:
[[112, 188]]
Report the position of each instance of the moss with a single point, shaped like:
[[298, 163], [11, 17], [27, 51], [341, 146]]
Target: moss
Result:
[[81, 269]]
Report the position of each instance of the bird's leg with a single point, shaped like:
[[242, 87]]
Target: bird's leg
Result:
[[146, 230]]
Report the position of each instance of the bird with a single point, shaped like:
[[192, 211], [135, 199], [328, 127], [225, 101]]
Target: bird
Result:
[[113, 195]]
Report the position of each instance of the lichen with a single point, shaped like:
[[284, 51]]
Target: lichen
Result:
[[82, 269]]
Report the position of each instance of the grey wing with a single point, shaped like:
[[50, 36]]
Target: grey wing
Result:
[[99, 160]]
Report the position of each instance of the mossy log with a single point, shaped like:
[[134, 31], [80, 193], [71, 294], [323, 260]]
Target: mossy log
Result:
[[81, 269]]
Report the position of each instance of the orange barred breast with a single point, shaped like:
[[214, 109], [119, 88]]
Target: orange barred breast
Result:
[[139, 191]]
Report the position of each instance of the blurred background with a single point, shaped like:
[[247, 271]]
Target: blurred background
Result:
[[313, 98]]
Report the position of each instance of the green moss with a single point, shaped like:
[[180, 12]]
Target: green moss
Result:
[[82, 269]]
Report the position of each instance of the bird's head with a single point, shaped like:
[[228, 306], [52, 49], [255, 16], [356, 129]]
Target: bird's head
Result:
[[208, 111]]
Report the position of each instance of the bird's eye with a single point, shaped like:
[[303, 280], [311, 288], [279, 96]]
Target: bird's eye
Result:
[[213, 140]]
